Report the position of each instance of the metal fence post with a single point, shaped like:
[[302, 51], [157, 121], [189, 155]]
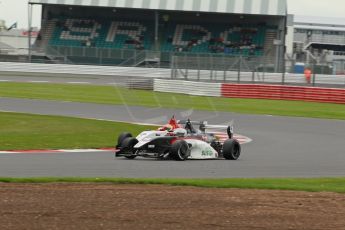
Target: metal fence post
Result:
[[239, 69], [283, 78], [314, 74], [264, 71], [100, 53], [211, 66], [172, 66], [224, 75], [283, 74], [198, 61], [224, 66], [185, 61]]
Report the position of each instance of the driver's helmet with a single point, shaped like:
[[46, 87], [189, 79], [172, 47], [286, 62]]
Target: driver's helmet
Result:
[[166, 127], [180, 132]]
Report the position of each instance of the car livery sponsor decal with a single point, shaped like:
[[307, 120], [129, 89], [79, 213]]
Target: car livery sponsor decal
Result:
[[207, 152]]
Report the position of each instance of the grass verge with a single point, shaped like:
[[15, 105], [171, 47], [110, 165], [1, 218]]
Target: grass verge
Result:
[[309, 185], [120, 96], [25, 131]]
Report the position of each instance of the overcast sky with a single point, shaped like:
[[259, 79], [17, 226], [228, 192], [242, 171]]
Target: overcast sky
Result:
[[16, 10]]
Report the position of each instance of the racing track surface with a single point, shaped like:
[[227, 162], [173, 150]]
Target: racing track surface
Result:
[[281, 147]]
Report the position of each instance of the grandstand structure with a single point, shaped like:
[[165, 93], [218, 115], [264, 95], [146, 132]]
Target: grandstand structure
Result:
[[160, 32], [320, 40]]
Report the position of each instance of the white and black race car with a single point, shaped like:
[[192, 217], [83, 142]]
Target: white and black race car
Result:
[[179, 140]]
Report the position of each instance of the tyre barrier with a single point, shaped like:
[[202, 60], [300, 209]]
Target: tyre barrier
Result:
[[279, 92], [253, 91]]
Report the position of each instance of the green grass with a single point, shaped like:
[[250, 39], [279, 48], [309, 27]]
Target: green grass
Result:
[[120, 96], [310, 185], [24, 131]]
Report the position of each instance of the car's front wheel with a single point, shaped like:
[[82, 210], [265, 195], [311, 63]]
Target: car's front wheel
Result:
[[121, 138], [127, 146], [180, 150], [231, 149]]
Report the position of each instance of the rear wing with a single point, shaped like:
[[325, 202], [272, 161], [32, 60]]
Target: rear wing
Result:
[[229, 129], [205, 127]]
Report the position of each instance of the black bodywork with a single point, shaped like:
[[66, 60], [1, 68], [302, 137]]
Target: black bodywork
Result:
[[157, 148]]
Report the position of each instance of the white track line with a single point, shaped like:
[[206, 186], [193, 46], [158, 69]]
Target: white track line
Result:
[[39, 81], [57, 151], [78, 82], [5, 80], [82, 150]]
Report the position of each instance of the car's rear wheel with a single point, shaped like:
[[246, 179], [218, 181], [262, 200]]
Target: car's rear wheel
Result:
[[127, 146], [180, 150], [231, 149]]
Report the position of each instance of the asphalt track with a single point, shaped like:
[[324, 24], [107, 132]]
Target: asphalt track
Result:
[[281, 147]]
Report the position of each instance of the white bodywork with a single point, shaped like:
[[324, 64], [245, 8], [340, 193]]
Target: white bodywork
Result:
[[201, 150], [148, 136]]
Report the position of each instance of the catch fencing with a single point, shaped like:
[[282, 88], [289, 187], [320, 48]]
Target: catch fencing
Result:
[[33, 69], [253, 69], [259, 78]]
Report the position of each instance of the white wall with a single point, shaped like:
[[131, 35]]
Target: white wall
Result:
[[17, 40]]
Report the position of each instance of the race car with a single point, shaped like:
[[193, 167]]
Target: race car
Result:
[[179, 140]]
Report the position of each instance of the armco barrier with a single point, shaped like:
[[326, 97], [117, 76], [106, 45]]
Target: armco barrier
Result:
[[276, 92], [188, 87], [34, 69]]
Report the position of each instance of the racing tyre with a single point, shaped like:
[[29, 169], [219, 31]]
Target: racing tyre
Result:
[[231, 149], [122, 137], [180, 150], [127, 146]]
